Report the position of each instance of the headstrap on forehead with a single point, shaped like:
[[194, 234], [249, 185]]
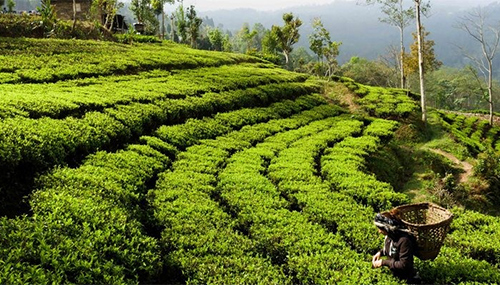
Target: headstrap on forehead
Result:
[[388, 224]]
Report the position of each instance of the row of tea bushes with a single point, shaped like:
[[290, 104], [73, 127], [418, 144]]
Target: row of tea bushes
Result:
[[343, 166], [36, 145], [297, 173], [185, 205], [50, 60], [382, 102], [475, 134], [476, 235], [87, 225], [309, 253], [75, 97]]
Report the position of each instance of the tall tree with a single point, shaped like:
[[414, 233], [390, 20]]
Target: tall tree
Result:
[[226, 43], [319, 38], [400, 16], [487, 35], [159, 5], [216, 38], [246, 37], [144, 13], [288, 35], [270, 43], [418, 14], [249, 41], [181, 23], [430, 61], [11, 4], [321, 44], [193, 25], [260, 32]]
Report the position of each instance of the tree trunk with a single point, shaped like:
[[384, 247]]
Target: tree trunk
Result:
[[172, 29], [420, 60], [74, 17], [402, 58], [402, 44], [162, 24], [286, 59], [490, 89]]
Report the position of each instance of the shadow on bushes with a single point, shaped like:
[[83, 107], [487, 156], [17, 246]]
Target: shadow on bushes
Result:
[[31, 26]]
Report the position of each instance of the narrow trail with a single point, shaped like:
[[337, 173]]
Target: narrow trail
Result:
[[467, 167]]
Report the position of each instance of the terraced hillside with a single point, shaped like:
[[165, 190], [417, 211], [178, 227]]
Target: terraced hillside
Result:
[[162, 164]]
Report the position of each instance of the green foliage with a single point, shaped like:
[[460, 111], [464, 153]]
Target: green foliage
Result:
[[456, 89], [193, 25], [243, 174], [128, 38], [85, 224], [321, 44], [216, 38], [144, 13], [461, 128], [364, 71], [288, 35], [474, 234], [382, 102], [411, 61]]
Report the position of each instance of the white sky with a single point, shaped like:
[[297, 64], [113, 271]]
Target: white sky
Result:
[[269, 5], [207, 5]]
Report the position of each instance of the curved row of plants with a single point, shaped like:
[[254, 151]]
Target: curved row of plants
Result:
[[76, 97], [26, 60], [309, 252], [232, 209], [476, 134], [88, 223], [382, 102], [188, 224], [30, 146], [195, 203], [301, 172]]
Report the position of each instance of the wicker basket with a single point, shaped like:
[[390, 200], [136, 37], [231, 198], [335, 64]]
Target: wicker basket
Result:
[[429, 223]]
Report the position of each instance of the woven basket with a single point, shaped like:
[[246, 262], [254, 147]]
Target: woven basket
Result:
[[429, 223]]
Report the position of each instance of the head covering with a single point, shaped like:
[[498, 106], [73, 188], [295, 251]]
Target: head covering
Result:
[[388, 224]]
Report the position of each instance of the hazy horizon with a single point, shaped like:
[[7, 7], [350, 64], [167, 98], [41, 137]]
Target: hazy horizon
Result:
[[272, 5]]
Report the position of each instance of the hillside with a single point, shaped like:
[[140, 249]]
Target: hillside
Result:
[[162, 164], [357, 26]]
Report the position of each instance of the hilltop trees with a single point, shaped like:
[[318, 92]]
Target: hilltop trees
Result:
[[288, 35], [321, 44], [158, 5], [144, 13], [244, 39], [411, 63], [216, 38], [193, 25], [487, 36], [399, 16]]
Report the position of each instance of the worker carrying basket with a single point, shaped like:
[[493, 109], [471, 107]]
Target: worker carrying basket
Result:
[[428, 223], [411, 230]]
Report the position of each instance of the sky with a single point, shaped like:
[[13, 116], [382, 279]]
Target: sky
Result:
[[264, 5], [270, 5]]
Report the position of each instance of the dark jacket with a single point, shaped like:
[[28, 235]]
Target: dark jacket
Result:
[[399, 250]]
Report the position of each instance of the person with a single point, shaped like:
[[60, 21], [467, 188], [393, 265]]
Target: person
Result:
[[399, 248]]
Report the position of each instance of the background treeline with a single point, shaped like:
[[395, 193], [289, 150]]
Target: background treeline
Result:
[[345, 27]]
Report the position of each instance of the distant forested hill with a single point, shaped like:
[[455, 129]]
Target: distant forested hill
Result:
[[359, 29]]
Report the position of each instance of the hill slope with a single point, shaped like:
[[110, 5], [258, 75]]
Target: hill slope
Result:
[[162, 164]]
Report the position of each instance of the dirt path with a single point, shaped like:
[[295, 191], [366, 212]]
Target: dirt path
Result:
[[467, 167]]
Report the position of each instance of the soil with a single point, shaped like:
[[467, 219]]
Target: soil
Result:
[[467, 167]]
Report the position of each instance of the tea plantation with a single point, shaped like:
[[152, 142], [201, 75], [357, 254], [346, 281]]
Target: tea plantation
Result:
[[143, 163]]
